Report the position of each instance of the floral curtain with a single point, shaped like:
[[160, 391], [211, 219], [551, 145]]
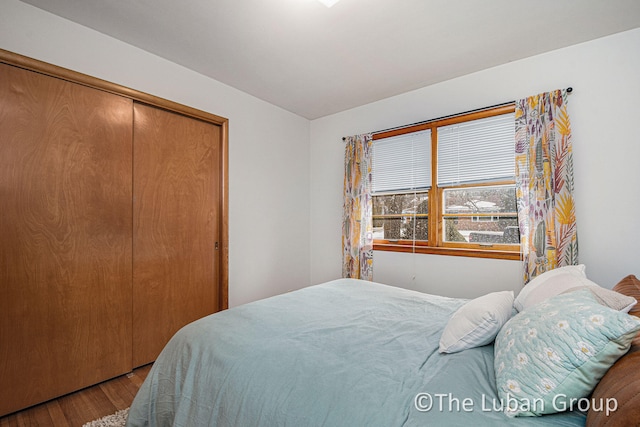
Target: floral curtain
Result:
[[544, 183], [357, 224]]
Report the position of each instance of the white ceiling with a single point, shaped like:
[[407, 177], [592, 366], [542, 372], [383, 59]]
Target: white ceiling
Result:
[[315, 61]]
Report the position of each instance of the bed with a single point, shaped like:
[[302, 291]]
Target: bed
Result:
[[342, 353]]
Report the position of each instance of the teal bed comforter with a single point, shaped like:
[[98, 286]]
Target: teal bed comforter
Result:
[[343, 353]]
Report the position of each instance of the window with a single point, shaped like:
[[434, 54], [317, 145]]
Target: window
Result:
[[448, 186]]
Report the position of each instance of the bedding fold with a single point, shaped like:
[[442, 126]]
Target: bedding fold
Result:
[[343, 353]]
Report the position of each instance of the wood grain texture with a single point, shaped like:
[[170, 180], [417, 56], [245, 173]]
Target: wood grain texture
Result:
[[44, 68], [177, 193], [65, 252], [224, 218], [76, 409], [50, 236], [103, 85]]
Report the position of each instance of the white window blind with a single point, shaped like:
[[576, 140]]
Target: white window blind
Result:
[[478, 151], [402, 162]]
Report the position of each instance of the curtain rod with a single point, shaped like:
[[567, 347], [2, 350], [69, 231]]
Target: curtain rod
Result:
[[569, 90]]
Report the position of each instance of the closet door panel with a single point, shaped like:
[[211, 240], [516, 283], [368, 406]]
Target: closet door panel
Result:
[[66, 245], [176, 226]]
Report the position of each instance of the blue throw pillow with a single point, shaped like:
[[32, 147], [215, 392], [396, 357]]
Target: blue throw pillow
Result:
[[555, 352]]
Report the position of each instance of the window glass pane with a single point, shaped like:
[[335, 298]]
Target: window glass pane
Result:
[[481, 215], [502, 231], [400, 216], [403, 228], [480, 200]]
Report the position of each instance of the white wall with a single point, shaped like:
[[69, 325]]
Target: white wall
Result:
[[268, 147], [604, 112], [285, 223]]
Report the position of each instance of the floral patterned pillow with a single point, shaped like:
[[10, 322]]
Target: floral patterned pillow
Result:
[[554, 353]]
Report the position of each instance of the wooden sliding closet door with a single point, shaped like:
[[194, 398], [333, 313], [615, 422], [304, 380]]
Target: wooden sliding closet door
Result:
[[65, 237], [176, 228]]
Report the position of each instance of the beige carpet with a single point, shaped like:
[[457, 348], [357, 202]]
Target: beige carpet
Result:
[[116, 420]]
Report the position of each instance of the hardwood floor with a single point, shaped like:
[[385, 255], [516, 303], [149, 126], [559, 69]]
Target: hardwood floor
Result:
[[75, 409]]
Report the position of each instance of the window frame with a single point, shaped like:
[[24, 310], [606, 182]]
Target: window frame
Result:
[[435, 243]]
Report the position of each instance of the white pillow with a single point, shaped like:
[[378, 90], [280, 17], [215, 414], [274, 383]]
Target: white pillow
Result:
[[549, 284], [477, 322], [607, 297]]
